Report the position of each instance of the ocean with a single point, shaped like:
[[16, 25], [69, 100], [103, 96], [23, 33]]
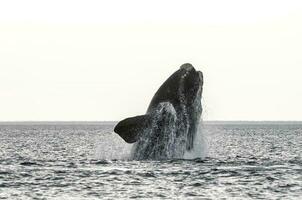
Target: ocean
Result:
[[86, 160]]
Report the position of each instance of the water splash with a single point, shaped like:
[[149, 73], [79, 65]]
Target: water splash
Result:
[[167, 137], [200, 149], [158, 141], [112, 147], [109, 146]]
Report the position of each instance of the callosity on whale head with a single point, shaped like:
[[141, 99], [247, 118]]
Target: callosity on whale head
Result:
[[169, 127]]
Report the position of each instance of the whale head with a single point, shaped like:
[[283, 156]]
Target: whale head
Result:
[[190, 86], [183, 87], [191, 82]]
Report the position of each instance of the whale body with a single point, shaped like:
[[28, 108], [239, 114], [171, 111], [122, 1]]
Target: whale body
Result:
[[169, 127]]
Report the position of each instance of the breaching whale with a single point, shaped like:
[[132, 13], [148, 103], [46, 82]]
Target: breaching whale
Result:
[[169, 127]]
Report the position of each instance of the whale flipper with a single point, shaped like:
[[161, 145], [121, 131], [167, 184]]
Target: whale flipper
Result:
[[130, 128]]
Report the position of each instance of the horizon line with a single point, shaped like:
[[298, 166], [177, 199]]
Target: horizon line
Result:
[[111, 121]]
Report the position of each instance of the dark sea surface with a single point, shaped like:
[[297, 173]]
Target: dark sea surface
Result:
[[88, 161]]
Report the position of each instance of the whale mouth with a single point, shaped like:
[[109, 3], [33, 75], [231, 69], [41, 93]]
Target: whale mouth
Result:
[[189, 74], [200, 77]]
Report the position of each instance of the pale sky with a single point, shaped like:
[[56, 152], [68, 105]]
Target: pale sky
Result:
[[104, 60]]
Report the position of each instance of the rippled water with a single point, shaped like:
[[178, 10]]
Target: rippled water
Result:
[[87, 161]]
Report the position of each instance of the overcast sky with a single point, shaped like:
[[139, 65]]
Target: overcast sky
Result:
[[104, 60]]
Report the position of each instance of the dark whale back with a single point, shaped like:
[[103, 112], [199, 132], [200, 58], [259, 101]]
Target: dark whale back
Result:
[[168, 92]]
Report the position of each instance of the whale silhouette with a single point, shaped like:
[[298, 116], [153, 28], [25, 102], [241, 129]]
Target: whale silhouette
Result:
[[169, 127]]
